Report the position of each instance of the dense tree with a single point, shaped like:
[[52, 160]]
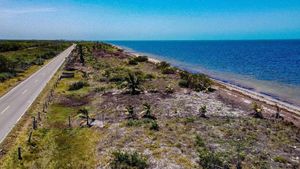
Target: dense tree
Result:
[[7, 65]]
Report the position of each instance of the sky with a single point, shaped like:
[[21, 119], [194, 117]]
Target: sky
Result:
[[150, 19]]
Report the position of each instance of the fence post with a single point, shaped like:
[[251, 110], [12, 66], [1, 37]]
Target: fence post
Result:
[[70, 121], [19, 153], [29, 138], [34, 123], [39, 116]]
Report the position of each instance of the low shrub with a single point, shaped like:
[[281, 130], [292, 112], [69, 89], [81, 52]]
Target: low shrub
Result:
[[202, 111], [210, 160], [132, 122], [77, 85], [154, 126], [48, 55], [257, 111], [130, 112], [162, 65], [99, 89], [169, 70], [124, 160], [148, 114], [169, 89], [132, 62], [189, 120], [199, 141], [6, 75], [197, 82], [207, 158], [149, 76], [117, 78], [280, 159], [38, 61], [141, 58], [183, 83], [165, 68]]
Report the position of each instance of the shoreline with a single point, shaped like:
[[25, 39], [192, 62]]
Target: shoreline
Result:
[[254, 96]]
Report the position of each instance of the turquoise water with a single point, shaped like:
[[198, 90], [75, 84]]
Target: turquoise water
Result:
[[271, 67]]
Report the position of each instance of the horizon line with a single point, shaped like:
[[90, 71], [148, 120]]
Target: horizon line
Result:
[[278, 39]]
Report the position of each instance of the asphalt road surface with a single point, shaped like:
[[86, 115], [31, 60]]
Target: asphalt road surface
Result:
[[16, 102]]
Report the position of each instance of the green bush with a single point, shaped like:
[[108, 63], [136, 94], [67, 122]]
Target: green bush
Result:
[[154, 126], [163, 65], [184, 74], [7, 64], [141, 58], [189, 120], [117, 78], [38, 61], [24, 54], [197, 82], [149, 76], [207, 158], [199, 141], [134, 122], [100, 89], [148, 114], [6, 75], [48, 55], [124, 160], [77, 85], [132, 62], [117, 74], [280, 159], [183, 83], [169, 89], [130, 112], [169, 70]]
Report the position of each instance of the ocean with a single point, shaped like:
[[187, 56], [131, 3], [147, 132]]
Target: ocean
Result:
[[270, 67]]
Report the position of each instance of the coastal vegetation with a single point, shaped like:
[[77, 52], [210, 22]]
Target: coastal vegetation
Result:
[[113, 114], [19, 59]]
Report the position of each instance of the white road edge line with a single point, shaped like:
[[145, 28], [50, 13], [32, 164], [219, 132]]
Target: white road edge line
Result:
[[4, 110]]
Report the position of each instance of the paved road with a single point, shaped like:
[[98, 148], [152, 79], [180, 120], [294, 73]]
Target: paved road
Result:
[[16, 102]]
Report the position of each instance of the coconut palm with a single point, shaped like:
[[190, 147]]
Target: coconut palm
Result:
[[257, 111], [133, 83], [130, 112], [147, 110]]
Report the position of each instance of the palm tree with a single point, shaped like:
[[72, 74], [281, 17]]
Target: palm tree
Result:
[[133, 83], [130, 113], [148, 114], [277, 115], [257, 111], [86, 113], [202, 111]]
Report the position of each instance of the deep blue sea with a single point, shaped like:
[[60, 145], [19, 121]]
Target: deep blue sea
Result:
[[271, 67]]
